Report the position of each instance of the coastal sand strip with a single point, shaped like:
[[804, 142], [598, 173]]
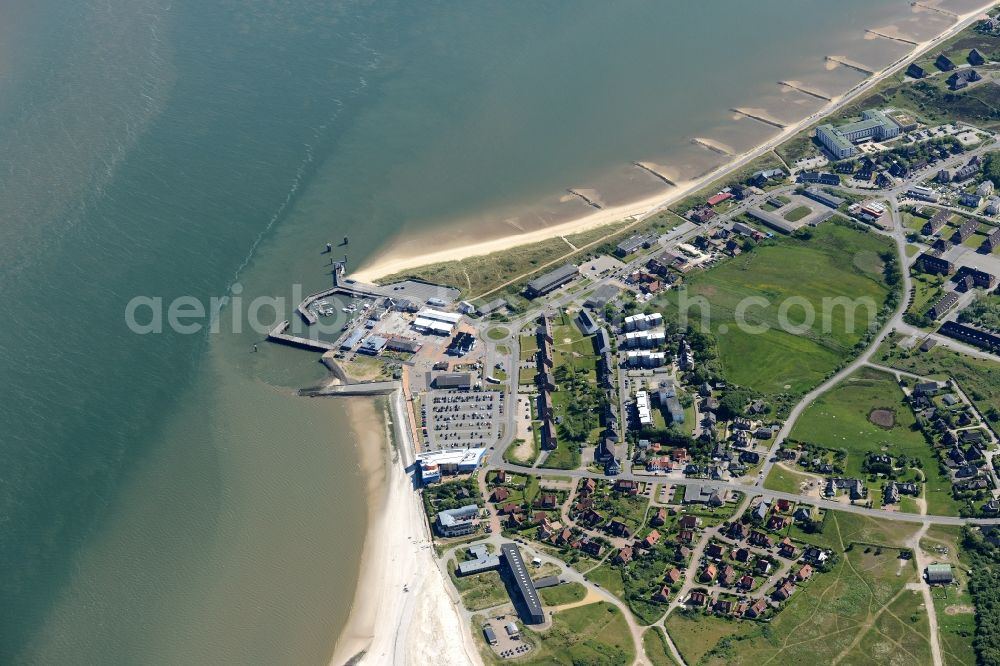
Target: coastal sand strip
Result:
[[388, 625]]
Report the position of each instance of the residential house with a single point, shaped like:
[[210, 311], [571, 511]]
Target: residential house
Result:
[[757, 609], [624, 556]]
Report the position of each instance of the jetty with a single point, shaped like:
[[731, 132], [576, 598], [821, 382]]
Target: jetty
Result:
[[278, 334], [759, 118], [805, 91], [653, 172], [355, 389]]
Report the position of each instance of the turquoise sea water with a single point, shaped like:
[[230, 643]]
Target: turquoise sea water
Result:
[[167, 498]]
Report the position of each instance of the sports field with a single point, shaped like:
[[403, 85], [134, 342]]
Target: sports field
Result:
[[838, 261], [842, 419]]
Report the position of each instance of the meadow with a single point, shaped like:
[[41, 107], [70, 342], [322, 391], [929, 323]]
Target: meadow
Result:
[[836, 261], [839, 419], [591, 634]]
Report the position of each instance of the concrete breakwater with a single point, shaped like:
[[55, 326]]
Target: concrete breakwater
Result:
[[356, 389], [278, 334]]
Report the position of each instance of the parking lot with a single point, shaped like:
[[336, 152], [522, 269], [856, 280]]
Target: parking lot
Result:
[[508, 645], [459, 419]]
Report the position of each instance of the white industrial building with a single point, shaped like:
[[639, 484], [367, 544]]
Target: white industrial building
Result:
[[436, 322]]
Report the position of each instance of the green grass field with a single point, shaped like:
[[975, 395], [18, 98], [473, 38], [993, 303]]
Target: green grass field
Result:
[[591, 634], [837, 261], [562, 594], [497, 333], [797, 213], [784, 480], [927, 290], [858, 613], [839, 420], [609, 577]]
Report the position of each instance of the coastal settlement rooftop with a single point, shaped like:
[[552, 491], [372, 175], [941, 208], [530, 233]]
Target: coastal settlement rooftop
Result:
[[552, 280]]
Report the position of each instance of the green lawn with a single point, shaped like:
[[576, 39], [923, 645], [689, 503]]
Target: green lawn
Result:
[[797, 213], [562, 594], [610, 578], [839, 420], [784, 480], [529, 345], [837, 261], [927, 291], [592, 634], [565, 456], [857, 613], [497, 333]]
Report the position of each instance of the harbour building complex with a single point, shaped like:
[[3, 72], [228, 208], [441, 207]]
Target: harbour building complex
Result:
[[874, 124]]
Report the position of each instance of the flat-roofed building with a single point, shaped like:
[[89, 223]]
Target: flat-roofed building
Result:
[[449, 461], [552, 280], [824, 197], [453, 380], [923, 193], [458, 522], [479, 565], [874, 124]]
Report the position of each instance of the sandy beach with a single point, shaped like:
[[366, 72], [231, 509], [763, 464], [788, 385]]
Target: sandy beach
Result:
[[391, 262], [388, 625]]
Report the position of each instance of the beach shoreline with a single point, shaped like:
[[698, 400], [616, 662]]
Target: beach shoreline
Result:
[[388, 625], [389, 262]]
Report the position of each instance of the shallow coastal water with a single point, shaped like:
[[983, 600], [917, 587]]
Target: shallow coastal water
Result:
[[167, 498]]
